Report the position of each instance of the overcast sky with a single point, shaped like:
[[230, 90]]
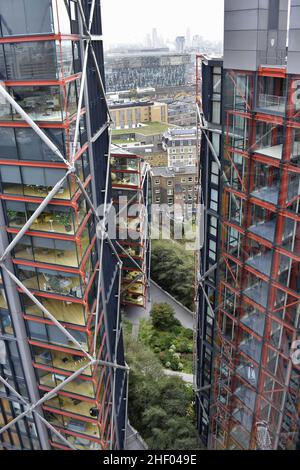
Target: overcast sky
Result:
[[128, 21]]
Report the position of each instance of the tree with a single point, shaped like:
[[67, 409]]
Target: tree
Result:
[[172, 267], [159, 406], [163, 317]]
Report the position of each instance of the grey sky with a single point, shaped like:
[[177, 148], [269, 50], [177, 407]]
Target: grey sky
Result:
[[127, 21]]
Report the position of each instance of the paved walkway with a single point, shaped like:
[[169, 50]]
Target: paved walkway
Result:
[[188, 378], [134, 440], [135, 314]]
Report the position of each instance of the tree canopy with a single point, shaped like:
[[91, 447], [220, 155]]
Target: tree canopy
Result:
[[172, 267], [160, 407]]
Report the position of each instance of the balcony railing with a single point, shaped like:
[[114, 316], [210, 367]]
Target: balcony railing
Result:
[[272, 102]]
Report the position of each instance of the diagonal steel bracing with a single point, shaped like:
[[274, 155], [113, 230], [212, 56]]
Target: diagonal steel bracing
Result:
[[70, 167]]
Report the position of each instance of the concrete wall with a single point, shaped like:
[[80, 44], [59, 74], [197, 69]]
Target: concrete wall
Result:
[[293, 65], [249, 40]]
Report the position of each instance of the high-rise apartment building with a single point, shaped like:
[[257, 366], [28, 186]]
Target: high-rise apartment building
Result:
[[209, 79], [249, 381], [131, 190], [61, 346]]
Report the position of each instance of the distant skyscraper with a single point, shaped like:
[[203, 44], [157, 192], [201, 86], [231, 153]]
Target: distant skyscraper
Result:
[[148, 41], [180, 44], [155, 41], [188, 37]]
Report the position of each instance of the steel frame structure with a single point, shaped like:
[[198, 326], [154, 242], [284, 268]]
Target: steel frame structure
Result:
[[255, 386], [92, 356], [131, 180]]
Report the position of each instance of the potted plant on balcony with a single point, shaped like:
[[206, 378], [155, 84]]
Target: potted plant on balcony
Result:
[[64, 219], [12, 215]]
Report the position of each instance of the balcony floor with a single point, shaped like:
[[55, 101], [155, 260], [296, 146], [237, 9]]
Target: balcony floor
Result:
[[258, 293], [81, 408], [273, 152], [246, 396], [83, 388], [263, 263], [251, 375], [255, 321], [66, 312], [268, 194], [33, 191], [66, 286], [65, 362], [80, 427], [266, 230]]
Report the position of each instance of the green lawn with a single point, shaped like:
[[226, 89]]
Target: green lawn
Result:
[[151, 128]]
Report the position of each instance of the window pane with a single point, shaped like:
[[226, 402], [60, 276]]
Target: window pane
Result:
[[25, 17]]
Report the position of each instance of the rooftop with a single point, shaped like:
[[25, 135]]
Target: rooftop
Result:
[[150, 128], [167, 172], [132, 104], [181, 133]]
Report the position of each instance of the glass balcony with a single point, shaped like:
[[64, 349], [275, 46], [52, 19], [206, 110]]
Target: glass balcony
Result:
[[269, 141], [273, 151], [54, 219], [52, 251], [38, 60], [63, 311], [271, 94], [252, 348], [255, 321], [68, 362], [266, 230], [77, 407], [263, 263], [246, 396], [55, 282], [74, 425], [123, 163], [258, 292], [84, 388], [241, 436], [135, 299], [272, 103], [78, 442], [43, 103], [126, 179], [267, 193], [19, 181], [248, 372], [52, 335]]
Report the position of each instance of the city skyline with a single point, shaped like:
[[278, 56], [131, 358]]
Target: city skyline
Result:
[[200, 18]]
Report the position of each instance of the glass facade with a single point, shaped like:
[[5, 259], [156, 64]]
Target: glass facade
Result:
[[258, 304], [59, 258], [130, 183]]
